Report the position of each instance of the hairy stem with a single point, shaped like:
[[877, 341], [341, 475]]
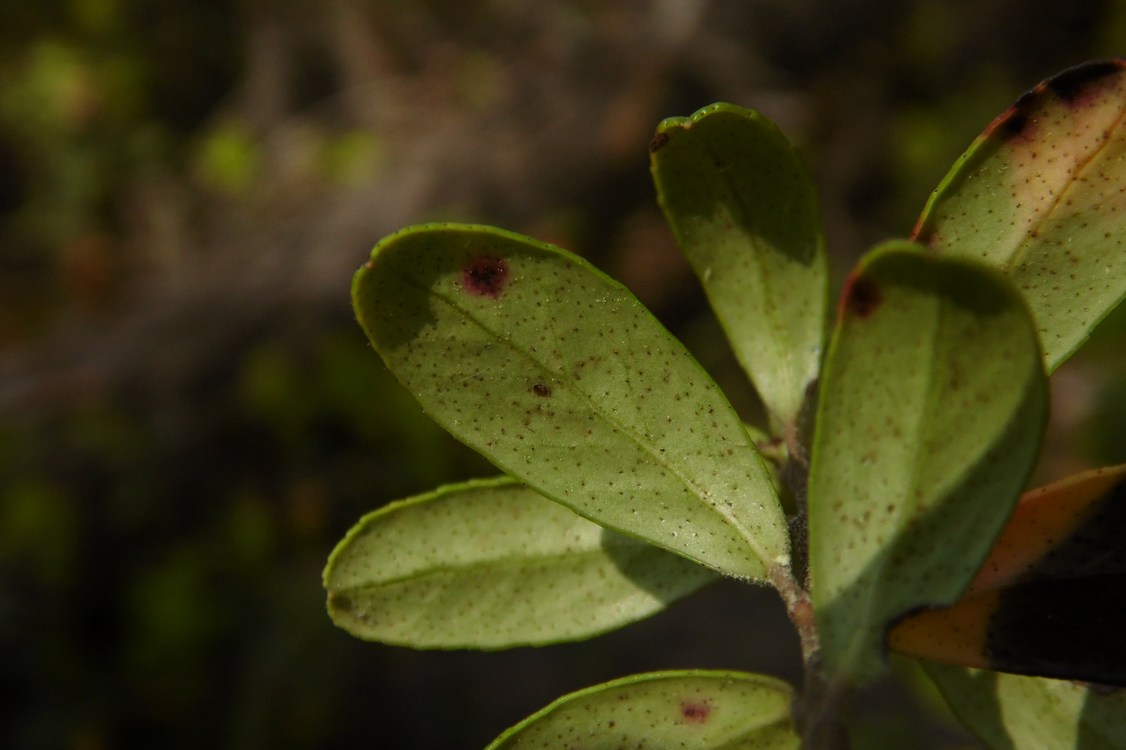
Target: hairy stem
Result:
[[818, 711]]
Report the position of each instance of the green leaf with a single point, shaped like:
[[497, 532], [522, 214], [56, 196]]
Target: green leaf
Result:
[[744, 211], [559, 376], [932, 405], [493, 564], [1040, 195], [1010, 712], [693, 710]]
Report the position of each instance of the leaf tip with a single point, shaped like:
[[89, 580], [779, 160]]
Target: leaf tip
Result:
[[1073, 83], [1074, 87]]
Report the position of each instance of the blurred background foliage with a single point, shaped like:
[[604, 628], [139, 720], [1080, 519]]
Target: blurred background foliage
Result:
[[190, 419]]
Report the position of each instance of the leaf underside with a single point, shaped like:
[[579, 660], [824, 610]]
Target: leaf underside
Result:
[[932, 404], [560, 377], [744, 211], [492, 564], [1012, 712], [695, 710], [1041, 196]]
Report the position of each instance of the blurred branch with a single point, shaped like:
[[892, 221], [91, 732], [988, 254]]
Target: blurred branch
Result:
[[498, 128]]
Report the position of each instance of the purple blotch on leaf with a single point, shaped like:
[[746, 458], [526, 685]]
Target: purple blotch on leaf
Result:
[[1072, 83], [862, 296], [1015, 120], [485, 276], [1071, 86], [696, 712]]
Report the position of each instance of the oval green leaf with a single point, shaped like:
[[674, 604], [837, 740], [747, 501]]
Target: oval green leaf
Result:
[[693, 710], [744, 210], [932, 405], [559, 376], [1010, 712], [492, 564], [1041, 195]]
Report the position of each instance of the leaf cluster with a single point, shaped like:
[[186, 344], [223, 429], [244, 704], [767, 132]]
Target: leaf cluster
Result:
[[883, 498]]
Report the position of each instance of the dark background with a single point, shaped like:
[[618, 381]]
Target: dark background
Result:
[[190, 418]]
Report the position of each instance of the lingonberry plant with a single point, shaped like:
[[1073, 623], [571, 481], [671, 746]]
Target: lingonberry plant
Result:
[[883, 499]]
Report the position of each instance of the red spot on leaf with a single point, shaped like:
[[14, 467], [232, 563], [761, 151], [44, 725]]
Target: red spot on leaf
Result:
[[659, 140], [861, 296], [695, 712], [485, 276]]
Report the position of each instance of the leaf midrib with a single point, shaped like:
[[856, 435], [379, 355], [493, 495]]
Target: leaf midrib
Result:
[[908, 502], [1023, 245], [772, 311], [506, 562], [617, 427]]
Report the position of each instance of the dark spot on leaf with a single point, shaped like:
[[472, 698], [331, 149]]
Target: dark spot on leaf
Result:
[[1073, 82], [1014, 122], [340, 602], [659, 140], [862, 296], [541, 390], [1071, 86], [485, 276], [696, 712]]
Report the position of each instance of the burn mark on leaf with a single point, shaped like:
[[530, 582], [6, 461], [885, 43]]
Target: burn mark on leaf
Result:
[[541, 390], [659, 140], [485, 276], [695, 712], [1071, 84], [1062, 617], [1065, 629], [862, 296]]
